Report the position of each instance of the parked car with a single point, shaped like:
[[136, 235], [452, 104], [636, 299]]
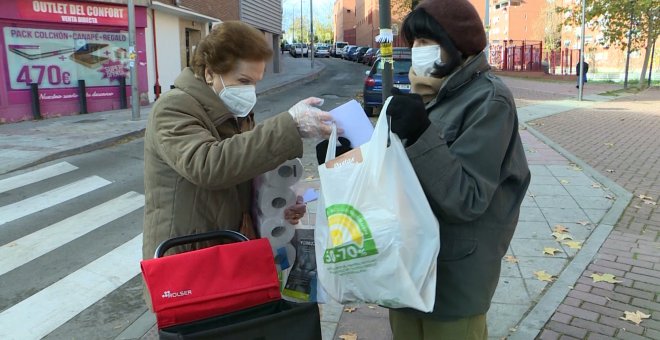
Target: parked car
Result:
[[368, 57], [287, 47], [321, 52], [350, 54], [298, 50], [345, 50], [336, 48], [359, 52], [373, 86]]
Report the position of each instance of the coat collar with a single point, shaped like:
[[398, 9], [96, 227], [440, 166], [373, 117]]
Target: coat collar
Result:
[[472, 68], [198, 89]]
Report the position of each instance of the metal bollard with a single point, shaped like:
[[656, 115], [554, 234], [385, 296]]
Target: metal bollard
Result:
[[82, 96], [36, 106], [123, 104]]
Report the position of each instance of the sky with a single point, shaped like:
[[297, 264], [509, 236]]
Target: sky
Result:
[[322, 9]]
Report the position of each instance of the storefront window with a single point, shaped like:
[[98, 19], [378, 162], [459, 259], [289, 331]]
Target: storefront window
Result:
[[57, 59]]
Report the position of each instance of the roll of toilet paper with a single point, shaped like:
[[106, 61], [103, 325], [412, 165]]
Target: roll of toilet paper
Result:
[[285, 256], [272, 201], [278, 231], [285, 175]]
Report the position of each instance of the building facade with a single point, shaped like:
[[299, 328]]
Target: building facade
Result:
[[51, 48], [344, 21], [265, 15], [173, 32]]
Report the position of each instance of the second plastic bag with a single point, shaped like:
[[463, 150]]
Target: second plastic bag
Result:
[[377, 239]]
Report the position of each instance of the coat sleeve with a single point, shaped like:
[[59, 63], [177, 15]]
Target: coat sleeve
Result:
[[191, 149], [460, 180]]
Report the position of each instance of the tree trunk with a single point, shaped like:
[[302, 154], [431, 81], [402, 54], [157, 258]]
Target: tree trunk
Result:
[[650, 41]]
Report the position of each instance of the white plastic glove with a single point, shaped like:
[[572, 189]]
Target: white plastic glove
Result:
[[312, 122]]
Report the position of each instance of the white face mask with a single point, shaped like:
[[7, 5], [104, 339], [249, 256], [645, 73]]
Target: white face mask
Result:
[[423, 59], [239, 99]]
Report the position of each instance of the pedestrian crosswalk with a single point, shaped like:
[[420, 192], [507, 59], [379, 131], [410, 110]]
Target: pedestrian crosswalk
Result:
[[70, 293]]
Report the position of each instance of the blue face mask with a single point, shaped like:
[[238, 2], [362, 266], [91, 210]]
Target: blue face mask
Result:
[[423, 59]]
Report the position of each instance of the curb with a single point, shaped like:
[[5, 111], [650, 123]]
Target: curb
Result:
[[83, 149], [289, 83], [532, 324]]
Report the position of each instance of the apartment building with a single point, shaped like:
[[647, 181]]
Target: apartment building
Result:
[[343, 23]]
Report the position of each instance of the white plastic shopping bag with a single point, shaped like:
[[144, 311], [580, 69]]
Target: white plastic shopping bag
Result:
[[377, 239]]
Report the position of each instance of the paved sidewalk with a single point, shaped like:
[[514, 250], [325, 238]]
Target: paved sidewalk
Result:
[[620, 139], [32, 142]]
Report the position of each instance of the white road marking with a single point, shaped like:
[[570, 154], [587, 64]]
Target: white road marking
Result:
[[19, 252], [43, 312], [50, 198], [35, 176]]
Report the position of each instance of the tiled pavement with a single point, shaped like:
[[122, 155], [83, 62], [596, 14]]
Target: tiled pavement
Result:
[[620, 139]]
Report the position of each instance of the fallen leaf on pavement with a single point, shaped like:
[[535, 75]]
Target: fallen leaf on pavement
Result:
[[637, 206], [649, 202], [584, 223], [510, 259], [575, 167], [609, 278], [573, 244], [371, 307], [349, 336], [595, 185], [563, 181], [531, 195], [609, 144], [562, 236], [558, 228], [634, 317], [644, 197], [609, 170], [350, 309], [530, 150], [543, 276], [550, 250], [610, 197], [309, 178]]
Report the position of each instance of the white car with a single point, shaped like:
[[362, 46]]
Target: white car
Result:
[[321, 52], [299, 50]]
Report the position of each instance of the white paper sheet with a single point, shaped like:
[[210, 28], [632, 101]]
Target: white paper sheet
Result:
[[356, 125]]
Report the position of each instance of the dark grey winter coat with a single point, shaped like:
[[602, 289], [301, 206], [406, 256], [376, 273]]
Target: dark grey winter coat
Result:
[[473, 169]]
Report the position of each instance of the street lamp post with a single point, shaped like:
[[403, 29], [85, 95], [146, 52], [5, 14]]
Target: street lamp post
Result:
[[135, 96], [311, 33], [487, 27], [385, 24], [581, 61], [625, 79]]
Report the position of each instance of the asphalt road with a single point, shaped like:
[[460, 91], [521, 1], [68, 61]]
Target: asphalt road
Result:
[[70, 234]]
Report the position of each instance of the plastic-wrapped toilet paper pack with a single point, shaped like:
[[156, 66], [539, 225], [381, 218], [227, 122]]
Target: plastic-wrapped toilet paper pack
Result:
[[271, 202], [285, 175], [284, 256], [277, 230]]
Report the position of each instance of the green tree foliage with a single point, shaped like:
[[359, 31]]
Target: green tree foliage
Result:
[[614, 18]]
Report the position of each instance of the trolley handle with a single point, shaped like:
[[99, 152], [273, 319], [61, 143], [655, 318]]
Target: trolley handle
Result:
[[208, 236]]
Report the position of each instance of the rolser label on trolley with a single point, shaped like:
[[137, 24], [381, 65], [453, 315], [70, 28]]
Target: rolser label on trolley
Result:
[[349, 233], [168, 294]]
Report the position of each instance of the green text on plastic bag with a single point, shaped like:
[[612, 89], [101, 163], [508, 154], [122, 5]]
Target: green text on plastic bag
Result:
[[349, 234]]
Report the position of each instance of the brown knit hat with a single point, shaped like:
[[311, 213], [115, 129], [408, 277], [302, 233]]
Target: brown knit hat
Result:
[[461, 21]]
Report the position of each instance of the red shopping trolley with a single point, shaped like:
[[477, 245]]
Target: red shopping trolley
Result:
[[228, 291]]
